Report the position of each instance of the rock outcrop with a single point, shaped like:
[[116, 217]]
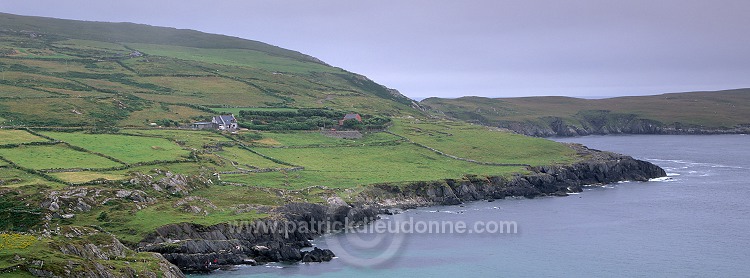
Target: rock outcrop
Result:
[[599, 168], [196, 248], [91, 253], [609, 124]]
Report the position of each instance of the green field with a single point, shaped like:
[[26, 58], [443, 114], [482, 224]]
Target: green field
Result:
[[86, 176], [483, 144], [301, 139], [130, 149], [11, 136], [55, 156], [344, 167], [247, 159], [15, 178], [195, 139]]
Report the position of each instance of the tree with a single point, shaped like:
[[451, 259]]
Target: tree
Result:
[[353, 124]]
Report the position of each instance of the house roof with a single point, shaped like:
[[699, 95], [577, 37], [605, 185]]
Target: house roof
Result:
[[351, 116], [224, 119]]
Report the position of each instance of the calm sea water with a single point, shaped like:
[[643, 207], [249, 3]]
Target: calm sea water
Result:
[[695, 223]]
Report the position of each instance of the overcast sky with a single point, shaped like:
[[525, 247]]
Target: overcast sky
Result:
[[495, 48]]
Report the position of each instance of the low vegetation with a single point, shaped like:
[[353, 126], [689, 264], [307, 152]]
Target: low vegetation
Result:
[[11, 136], [483, 144], [130, 149], [57, 156], [708, 110], [95, 136]]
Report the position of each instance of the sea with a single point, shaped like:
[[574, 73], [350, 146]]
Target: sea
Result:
[[693, 223]]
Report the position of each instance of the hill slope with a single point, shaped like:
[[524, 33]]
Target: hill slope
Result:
[[92, 194], [71, 73], [676, 113]]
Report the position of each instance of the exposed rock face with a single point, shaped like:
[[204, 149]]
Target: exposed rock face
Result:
[[612, 124], [196, 248], [91, 253], [69, 201], [317, 255], [601, 168], [173, 183]]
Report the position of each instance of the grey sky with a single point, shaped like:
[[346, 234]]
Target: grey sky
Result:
[[585, 48]]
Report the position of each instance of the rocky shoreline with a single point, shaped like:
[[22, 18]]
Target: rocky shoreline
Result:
[[626, 124], [196, 248]]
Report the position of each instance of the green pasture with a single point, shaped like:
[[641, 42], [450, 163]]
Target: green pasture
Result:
[[484, 144], [130, 149], [12, 136], [246, 158], [346, 167], [55, 156]]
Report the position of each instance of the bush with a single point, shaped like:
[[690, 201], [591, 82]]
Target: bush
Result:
[[16, 216], [103, 217]]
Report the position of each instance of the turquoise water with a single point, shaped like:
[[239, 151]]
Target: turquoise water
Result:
[[695, 223]]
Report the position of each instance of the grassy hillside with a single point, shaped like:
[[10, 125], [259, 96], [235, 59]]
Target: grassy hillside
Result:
[[104, 34], [70, 73], [78, 148], [707, 110]]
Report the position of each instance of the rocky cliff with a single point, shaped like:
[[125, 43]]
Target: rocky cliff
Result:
[[196, 248], [558, 180], [611, 124], [88, 252]]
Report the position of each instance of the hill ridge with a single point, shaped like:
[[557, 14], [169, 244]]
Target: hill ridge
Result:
[[701, 112], [113, 32]]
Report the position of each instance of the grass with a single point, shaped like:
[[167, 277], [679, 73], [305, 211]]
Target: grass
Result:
[[155, 65], [301, 139], [234, 57], [22, 92], [84, 82], [195, 139], [246, 158], [55, 157], [86, 176], [57, 111], [236, 110], [47, 250], [211, 90], [111, 86], [184, 168], [710, 109], [228, 196], [151, 114], [31, 79], [130, 149], [483, 144], [89, 44], [348, 167], [14, 178], [11, 136], [132, 226]]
